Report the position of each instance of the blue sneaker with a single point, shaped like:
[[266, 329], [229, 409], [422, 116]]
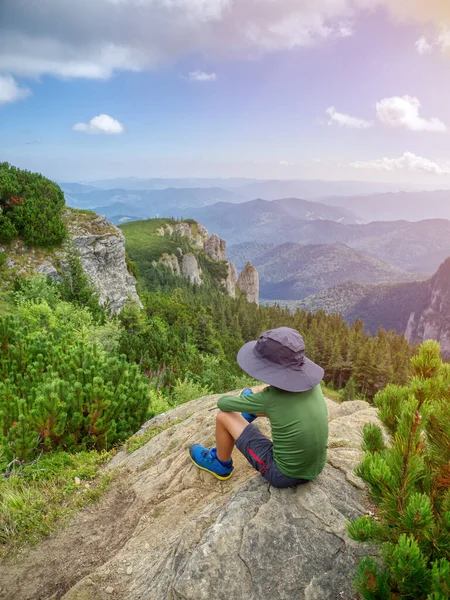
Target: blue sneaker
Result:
[[207, 460], [248, 416]]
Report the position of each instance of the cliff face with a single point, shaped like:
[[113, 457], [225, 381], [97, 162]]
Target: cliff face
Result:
[[248, 283], [216, 248], [102, 256], [101, 249], [169, 530], [190, 269], [431, 320]]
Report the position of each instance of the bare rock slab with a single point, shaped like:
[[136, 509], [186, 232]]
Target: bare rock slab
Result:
[[201, 539]]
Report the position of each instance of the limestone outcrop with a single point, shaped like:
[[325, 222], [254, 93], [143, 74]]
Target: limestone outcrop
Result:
[[183, 229], [248, 283], [190, 269], [216, 248], [230, 282], [195, 538], [101, 249], [103, 260], [171, 261], [431, 319]]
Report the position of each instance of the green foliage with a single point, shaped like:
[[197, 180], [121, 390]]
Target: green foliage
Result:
[[57, 390], [349, 392], [35, 497], [77, 288], [31, 206], [410, 481], [137, 441], [8, 231], [187, 390], [372, 438], [372, 582]]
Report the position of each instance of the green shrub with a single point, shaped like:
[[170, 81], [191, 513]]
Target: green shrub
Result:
[[31, 207], [8, 230], [186, 390], [59, 391], [409, 479]]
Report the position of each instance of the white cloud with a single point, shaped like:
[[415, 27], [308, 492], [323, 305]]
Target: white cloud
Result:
[[96, 38], [10, 91], [201, 76], [100, 124], [346, 29], [346, 120], [286, 163], [404, 112], [423, 46], [443, 39], [408, 162]]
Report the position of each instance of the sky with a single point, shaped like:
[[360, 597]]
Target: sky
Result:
[[270, 89]]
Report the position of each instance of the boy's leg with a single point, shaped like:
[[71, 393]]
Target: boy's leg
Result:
[[229, 426]]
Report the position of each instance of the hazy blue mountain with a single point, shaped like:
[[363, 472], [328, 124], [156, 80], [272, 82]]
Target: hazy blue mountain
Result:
[[411, 206], [148, 203], [259, 219], [156, 183], [255, 188], [292, 271], [241, 254], [417, 247], [316, 189]]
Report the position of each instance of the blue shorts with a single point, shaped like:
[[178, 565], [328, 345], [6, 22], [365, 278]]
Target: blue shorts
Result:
[[258, 450]]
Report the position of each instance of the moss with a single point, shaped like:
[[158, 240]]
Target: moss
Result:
[[137, 441]]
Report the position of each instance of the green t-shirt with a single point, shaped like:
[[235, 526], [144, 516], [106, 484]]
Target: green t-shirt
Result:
[[299, 423]]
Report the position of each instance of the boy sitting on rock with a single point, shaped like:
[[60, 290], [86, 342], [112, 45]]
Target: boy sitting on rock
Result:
[[294, 404]]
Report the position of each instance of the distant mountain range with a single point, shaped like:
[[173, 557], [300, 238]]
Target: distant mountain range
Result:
[[292, 271], [145, 203], [417, 247], [420, 310], [256, 188], [412, 206]]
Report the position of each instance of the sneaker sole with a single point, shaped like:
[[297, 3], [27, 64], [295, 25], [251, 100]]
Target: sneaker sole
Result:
[[220, 477]]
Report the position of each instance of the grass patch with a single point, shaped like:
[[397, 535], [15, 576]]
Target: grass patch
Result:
[[143, 244], [36, 498], [137, 441], [337, 444], [332, 394]]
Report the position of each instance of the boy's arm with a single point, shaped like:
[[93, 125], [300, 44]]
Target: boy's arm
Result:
[[254, 403]]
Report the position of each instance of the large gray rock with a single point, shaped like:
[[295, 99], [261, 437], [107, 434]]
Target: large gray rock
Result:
[[103, 259], [183, 229], [216, 248], [201, 539], [190, 269], [171, 261], [431, 319], [248, 283], [230, 282], [48, 270]]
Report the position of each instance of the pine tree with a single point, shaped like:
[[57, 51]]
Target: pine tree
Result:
[[410, 481]]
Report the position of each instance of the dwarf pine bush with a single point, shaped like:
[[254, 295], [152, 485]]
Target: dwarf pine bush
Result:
[[409, 479]]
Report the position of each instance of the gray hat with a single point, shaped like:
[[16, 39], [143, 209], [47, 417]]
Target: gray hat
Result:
[[278, 358]]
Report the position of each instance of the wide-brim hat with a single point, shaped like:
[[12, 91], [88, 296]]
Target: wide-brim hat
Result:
[[278, 358]]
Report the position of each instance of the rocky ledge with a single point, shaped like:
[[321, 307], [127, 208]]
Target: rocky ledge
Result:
[[195, 538]]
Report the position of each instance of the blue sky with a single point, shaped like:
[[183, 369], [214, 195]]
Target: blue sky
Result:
[[259, 88]]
